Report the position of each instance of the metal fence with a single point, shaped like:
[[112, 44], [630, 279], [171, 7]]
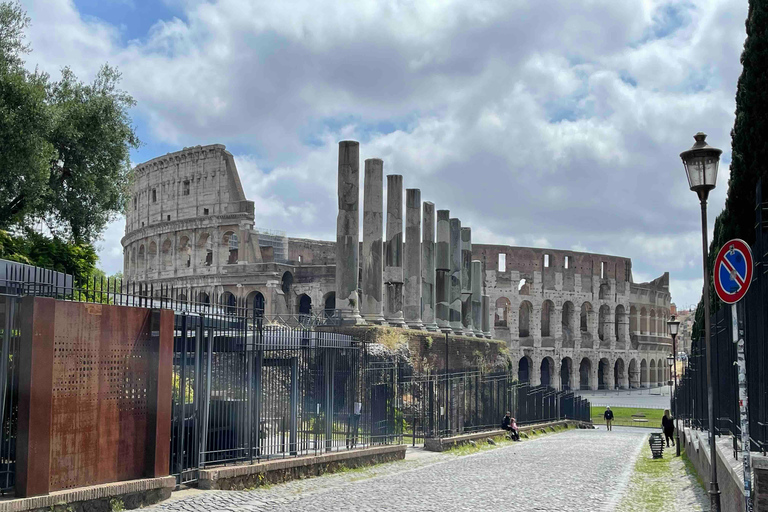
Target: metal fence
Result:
[[691, 395], [448, 404]]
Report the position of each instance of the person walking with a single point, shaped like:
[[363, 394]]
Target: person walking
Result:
[[608, 417], [668, 426]]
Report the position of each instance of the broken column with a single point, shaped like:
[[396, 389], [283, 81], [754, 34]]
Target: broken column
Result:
[[486, 316], [443, 271], [477, 301], [412, 296], [393, 252], [455, 296], [428, 268], [372, 301], [466, 281], [347, 232]]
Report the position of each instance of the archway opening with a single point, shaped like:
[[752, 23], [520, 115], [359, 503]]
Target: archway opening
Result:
[[566, 367], [501, 317], [546, 315], [547, 367], [329, 304], [525, 319], [524, 369], [305, 305], [603, 367], [618, 374], [585, 369]]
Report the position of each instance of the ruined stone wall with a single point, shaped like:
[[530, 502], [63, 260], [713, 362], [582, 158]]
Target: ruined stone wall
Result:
[[311, 252], [566, 317]]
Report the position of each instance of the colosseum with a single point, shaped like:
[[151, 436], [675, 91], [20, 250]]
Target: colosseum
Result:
[[572, 320]]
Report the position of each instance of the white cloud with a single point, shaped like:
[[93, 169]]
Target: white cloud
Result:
[[551, 121]]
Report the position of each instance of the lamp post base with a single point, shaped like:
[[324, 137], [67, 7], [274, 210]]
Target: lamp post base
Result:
[[714, 497]]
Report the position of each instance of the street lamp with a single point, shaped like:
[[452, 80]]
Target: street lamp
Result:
[[673, 327], [701, 162]]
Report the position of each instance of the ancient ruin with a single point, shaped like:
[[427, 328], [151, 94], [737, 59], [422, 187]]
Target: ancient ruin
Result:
[[570, 319]]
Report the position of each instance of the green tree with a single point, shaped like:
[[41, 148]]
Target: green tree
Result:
[[749, 146], [66, 144]]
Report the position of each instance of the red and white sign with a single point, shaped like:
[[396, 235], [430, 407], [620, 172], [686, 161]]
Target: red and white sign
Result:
[[733, 271]]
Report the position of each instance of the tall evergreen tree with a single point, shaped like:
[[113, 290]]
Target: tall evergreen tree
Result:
[[749, 146]]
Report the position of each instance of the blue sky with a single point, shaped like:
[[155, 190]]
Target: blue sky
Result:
[[550, 123]]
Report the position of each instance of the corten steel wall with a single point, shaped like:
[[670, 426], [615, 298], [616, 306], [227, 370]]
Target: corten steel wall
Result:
[[94, 394]]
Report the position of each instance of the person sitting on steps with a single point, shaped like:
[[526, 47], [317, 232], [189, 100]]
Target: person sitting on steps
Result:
[[509, 424]]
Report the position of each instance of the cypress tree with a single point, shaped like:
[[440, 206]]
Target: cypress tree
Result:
[[749, 146]]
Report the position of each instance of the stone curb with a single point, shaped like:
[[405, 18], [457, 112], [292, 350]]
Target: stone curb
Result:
[[215, 478], [95, 492], [444, 443]]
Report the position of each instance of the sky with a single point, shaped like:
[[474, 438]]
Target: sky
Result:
[[546, 123]]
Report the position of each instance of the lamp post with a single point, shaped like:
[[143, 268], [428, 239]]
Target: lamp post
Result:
[[701, 163], [674, 326]]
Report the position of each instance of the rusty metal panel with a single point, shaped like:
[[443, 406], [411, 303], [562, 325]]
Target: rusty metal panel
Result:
[[101, 371]]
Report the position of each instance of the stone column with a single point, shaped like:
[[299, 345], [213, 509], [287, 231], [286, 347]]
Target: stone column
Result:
[[372, 303], [443, 271], [393, 252], [455, 297], [486, 316], [466, 281], [348, 232], [428, 268], [477, 300], [412, 301]]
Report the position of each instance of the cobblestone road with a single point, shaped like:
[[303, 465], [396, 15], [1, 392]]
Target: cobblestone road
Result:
[[582, 470]]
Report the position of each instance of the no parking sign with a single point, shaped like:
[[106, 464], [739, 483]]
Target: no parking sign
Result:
[[733, 271]]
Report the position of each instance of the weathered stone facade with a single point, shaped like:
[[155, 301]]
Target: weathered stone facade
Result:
[[570, 319]]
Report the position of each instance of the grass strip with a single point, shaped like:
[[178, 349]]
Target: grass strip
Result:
[[649, 487]]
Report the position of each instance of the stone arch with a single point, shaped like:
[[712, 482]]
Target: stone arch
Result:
[[167, 254], [567, 321], [256, 305], [603, 369], [524, 367], [524, 288], [633, 374], [286, 282], [661, 372], [304, 304], [566, 369], [643, 321], [619, 377], [619, 321], [603, 321], [152, 257], [652, 377], [501, 317], [181, 297], [586, 309], [546, 315], [524, 323], [185, 252], [203, 298], [585, 373], [135, 267], [643, 374], [329, 304], [604, 293], [230, 248], [205, 250], [547, 371], [652, 323], [229, 302]]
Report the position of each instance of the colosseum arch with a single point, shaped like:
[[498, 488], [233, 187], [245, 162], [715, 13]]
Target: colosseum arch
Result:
[[152, 257], [603, 321], [632, 319], [185, 252], [652, 377], [230, 248], [167, 254], [256, 305], [586, 309], [135, 268], [204, 250], [567, 321], [633, 374], [203, 298], [603, 367], [546, 315], [329, 304], [524, 323], [604, 293], [585, 373], [229, 302], [619, 377], [524, 367], [619, 321], [501, 318], [547, 371], [661, 372], [643, 374], [304, 304], [652, 323], [566, 369], [643, 321]]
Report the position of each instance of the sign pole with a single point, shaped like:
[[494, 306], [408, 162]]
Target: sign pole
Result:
[[737, 325]]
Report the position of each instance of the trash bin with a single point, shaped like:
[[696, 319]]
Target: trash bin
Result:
[[657, 445]]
